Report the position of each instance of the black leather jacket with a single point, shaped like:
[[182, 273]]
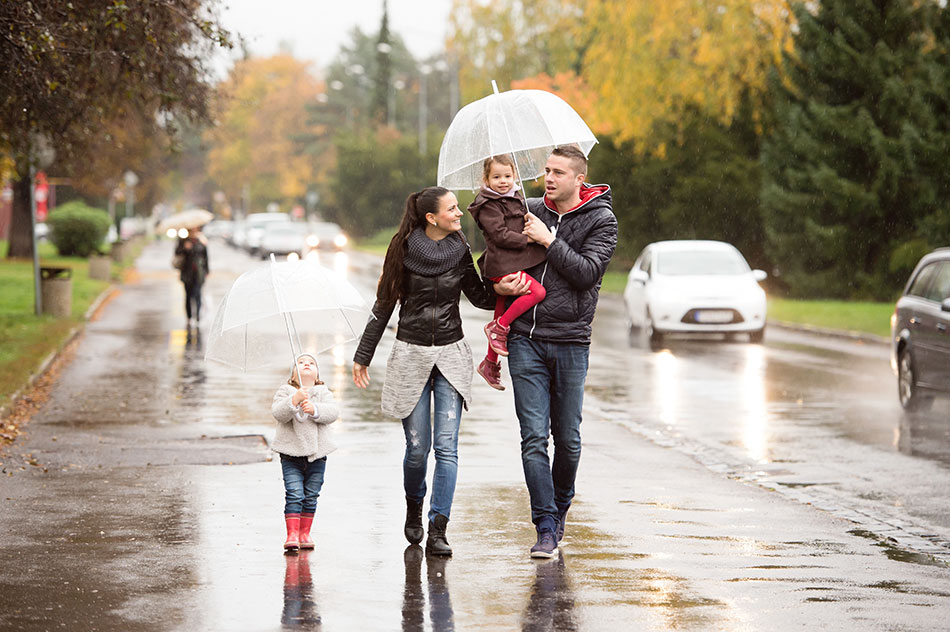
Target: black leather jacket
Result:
[[429, 311]]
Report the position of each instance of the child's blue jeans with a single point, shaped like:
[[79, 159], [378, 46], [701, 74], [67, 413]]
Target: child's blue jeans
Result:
[[303, 481]]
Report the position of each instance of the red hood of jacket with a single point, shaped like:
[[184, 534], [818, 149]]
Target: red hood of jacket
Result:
[[587, 193]]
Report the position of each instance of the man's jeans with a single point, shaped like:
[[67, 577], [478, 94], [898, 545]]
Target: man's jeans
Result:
[[548, 379], [421, 426], [303, 481]]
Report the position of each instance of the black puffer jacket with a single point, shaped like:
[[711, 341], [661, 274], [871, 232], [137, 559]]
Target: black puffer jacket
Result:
[[585, 238], [429, 311]]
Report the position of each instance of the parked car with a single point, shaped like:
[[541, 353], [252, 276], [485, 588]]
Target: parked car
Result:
[[920, 331], [283, 238], [694, 286], [325, 235], [254, 228]]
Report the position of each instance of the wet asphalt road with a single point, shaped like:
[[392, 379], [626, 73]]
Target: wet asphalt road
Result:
[[723, 486]]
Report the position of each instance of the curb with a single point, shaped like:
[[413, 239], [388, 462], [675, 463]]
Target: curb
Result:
[[834, 333], [49, 359]]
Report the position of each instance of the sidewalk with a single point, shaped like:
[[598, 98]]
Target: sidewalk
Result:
[[153, 507]]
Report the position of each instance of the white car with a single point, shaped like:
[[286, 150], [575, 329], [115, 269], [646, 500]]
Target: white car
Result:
[[254, 226], [694, 286], [283, 238], [325, 235]]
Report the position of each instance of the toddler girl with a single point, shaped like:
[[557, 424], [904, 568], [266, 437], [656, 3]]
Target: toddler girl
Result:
[[303, 408], [499, 210]]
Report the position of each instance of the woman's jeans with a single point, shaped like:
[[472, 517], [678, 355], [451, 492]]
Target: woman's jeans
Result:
[[193, 296], [303, 481], [548, 380], [425, 425]]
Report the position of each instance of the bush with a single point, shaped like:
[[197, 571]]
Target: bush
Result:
[[78, 230]]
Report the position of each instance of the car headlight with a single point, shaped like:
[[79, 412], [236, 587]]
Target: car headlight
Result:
[[339, 241], [313, 241]]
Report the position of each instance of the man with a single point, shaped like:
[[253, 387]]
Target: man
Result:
[[549, 345]]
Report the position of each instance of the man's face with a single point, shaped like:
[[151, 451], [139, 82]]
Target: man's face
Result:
[[561, 182]]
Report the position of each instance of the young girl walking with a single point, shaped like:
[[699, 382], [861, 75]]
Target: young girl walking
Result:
[[499, 210], [303, 408]]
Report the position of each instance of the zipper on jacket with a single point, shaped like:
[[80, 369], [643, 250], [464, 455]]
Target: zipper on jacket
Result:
[[544, 271], [435, 305]]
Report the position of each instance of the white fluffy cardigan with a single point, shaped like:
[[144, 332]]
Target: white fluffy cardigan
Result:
[[300, 434]]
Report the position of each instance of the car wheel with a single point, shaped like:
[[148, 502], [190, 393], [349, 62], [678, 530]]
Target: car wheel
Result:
[[757, 336], [907, 389], [655, 337]]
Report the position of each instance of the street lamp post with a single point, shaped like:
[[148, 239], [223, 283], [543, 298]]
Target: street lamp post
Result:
[[43, 154], [130, 180], [424, 71]]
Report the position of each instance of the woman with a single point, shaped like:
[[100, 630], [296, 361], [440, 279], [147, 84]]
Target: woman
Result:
[[427, 265], [193, 251]]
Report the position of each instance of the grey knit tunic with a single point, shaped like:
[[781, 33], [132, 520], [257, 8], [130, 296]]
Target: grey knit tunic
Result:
[[301, 434], [409, 367]]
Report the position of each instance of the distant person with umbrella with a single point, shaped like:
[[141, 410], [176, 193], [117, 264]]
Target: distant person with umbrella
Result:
[[191, 258], [429, 373]]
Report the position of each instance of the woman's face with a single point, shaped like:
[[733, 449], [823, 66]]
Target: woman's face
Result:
[[448, 219]]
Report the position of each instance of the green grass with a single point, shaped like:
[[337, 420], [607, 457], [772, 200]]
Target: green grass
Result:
[[26, 339], [864, 317]]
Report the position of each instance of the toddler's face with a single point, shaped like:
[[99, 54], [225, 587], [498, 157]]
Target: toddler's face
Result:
[[306, 367], [501, 178]]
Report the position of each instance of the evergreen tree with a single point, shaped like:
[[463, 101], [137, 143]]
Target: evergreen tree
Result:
[[843, 182], [383, 79]]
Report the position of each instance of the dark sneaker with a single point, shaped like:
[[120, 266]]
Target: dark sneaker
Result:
[[497, 337], [561, 519], [546, 546], [491, 371]]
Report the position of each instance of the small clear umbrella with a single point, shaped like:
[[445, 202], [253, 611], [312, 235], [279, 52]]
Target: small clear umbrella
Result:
[[192, 218], [273, 313], [526, 124]]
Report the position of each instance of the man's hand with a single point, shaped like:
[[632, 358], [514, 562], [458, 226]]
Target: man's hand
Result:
[[536, 231], [513, 284]]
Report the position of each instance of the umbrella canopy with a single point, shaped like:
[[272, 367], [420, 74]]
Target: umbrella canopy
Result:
[[525, 123], [275, 312], [192, 218]]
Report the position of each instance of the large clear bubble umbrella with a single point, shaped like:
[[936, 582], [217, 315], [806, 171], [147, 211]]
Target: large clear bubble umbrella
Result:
[[526, 124], [281, 309]]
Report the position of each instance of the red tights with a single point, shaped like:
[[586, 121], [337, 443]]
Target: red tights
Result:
[[520, 305]]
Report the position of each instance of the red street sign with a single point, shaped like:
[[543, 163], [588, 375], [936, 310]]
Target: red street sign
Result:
[[41, 194]]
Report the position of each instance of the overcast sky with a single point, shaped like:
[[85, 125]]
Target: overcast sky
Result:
[[315, 29]]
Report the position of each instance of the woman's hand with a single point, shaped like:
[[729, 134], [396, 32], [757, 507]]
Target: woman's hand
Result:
[[360, 375], [299, 396], [513, 284]]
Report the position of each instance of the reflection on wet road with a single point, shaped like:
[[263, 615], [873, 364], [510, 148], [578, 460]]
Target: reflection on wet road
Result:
[[157, 506], [814, 417]]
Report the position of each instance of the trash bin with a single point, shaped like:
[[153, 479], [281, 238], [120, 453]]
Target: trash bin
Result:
[[100, 267], [119, 249], [56, 290]]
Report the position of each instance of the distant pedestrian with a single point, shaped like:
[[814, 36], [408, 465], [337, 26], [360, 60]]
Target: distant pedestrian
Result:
[[499, 210], [549, 346], [192, 253], [303, 408], [429, 373]]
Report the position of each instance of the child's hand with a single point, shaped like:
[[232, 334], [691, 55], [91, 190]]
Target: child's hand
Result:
[[299, 396], [307, 407]]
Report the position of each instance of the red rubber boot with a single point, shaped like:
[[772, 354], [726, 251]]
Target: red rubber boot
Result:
[[293, 532], [306, 519]]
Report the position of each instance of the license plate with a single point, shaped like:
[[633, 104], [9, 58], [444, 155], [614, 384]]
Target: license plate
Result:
[[714, 316]]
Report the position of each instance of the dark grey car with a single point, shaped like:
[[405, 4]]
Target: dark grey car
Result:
[[920, 330]]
